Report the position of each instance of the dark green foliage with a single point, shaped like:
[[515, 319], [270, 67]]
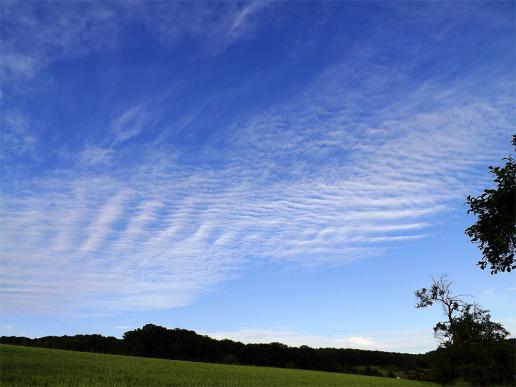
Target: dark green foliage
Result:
[[495, 229], [83, 343], [483, 364], [472, 347], [180, 344], [369, 371], [477, 351]]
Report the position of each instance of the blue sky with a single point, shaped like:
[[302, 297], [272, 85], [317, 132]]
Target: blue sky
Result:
[[262, 171]]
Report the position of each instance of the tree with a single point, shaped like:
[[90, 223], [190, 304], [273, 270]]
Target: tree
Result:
[[471, 346], [440, 292], [495, 229]]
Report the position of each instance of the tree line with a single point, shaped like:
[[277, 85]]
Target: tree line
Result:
[[180, 344]]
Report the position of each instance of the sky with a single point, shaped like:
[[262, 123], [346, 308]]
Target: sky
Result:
[[261, 171]]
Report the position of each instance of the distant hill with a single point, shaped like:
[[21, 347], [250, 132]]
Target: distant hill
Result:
[[180, 344]]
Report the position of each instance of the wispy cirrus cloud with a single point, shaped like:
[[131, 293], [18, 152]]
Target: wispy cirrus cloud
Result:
[[306, 182], [16, 138], [361, 158], [36, 34], [129, 124], [125, 126], [95, 155]]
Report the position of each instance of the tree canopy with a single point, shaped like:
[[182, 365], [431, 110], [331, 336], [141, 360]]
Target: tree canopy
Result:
[[495, 229], [471, 346]]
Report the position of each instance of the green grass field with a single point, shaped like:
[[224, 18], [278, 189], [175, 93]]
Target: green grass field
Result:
[[26, 366]]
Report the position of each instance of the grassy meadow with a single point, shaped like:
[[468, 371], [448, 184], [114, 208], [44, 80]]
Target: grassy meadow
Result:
[[28, 366]]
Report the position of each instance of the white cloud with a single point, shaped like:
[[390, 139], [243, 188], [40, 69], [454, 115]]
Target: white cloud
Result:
[[129, 124], [333, 175], [36, 34], [16, 137], [410, 341], [95, 155], [102, 226], [241, 21]]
